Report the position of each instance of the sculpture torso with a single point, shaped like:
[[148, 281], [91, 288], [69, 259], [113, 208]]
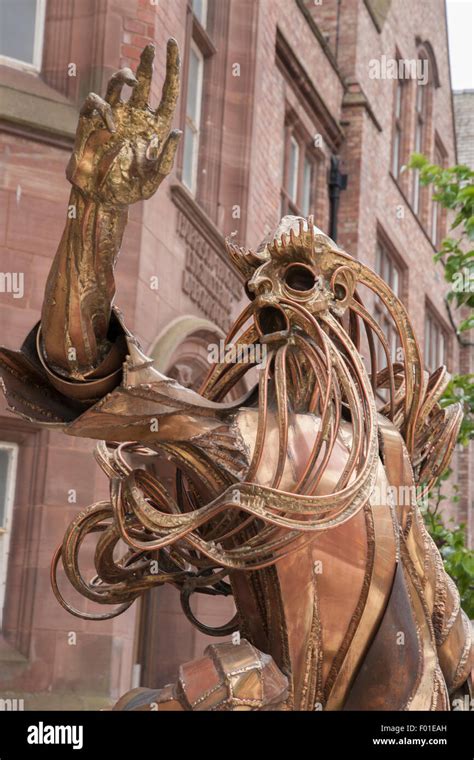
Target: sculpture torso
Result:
[[316, 611]]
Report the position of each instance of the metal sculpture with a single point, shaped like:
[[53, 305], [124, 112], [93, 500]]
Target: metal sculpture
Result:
[[302, 493]]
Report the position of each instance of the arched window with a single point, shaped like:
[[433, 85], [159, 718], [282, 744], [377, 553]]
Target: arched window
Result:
[[423, 140], [423, 119], [400, 108]]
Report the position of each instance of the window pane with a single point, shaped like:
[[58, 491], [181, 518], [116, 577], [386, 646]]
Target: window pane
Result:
[[416, 191], [441, 349], [190, 146], [292, 184], [5, 455], [193, 118], [395, 280], [386, 268], [420, 92], [398, 101], [435, 343], [434, 223], [307, 185], [200, 11], [418, 136], [378, 260], [17, 29], [193, 101], [427, 342], [435, 336], [396, 153]]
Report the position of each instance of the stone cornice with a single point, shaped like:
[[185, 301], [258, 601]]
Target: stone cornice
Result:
[[356, 98], [31, 108], [298, 78]]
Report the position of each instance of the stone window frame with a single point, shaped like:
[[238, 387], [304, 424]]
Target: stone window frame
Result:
[[7, 514], [25, 544]]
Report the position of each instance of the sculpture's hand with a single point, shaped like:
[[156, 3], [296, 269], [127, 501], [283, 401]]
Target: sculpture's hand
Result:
[[124, 150], [122, 153]]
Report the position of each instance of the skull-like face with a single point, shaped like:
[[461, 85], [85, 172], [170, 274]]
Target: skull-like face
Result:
[[290, 278], [278, 282]]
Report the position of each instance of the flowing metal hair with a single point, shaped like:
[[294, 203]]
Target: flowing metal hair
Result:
[[246, 526]]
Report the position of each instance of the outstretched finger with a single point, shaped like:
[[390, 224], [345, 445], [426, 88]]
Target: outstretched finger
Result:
[[169, 95], [95, 103], [164, 164], [141, 93], [169, 151], [116, 83]]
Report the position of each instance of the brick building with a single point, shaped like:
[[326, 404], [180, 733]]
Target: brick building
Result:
[[275, 94], [464, 120]]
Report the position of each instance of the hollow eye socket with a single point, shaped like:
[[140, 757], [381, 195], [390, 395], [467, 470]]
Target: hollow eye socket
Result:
[[300, 278], [248, 292]]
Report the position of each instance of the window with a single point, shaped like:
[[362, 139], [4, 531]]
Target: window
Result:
[[201, 114], [200, 11], [391, 272], [437, 215], [8, 460], [21, 32], [306, 197], [298, 176], [436, 342], [193, 117], [423, 137], [399, 115], [292, 179], [419, 140], [203, 107]]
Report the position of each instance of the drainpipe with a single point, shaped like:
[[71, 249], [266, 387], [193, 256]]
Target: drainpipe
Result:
[[336, 182]]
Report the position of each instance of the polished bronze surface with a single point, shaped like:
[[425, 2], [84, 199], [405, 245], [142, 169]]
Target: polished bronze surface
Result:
[[300, 498]]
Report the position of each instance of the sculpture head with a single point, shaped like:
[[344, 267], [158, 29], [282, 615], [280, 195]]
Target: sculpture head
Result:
[[292, 274]]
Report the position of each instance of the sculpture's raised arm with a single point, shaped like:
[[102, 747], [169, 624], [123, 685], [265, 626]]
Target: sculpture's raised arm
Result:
[[75, 356], [122, 153]]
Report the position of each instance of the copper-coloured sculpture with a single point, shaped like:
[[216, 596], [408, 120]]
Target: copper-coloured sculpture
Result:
[[301, 492]]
